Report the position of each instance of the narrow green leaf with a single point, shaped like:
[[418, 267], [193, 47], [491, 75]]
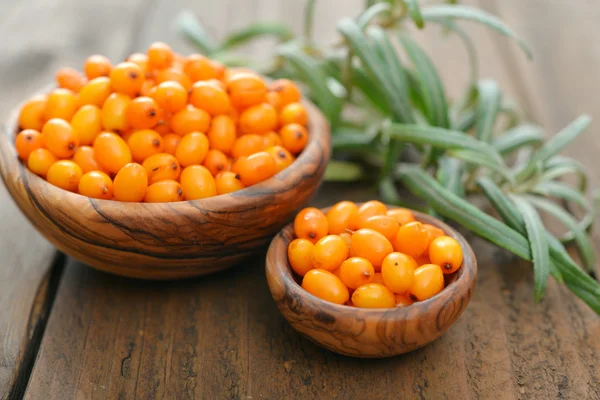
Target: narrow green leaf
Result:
[[443, 12], [257, 30], [449, 175], [589, 298], [507, 210], [562, 191], [465, 121], [372, 12], [517, 137], [558, 166], [344, 139], [481, 160], [415, 12], [190, 27], [488, 106], [469, 46], [343, 171], [309, 17]]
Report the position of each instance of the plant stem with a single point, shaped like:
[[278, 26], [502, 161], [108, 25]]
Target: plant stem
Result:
[[309, 12]]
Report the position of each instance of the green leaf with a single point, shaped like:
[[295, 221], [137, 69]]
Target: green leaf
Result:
[[488, 106], [449, 175], [415, 12], [372, 12], [479, 159], [343, 171], [344, 139], [192, 30], [562, 191], [257, 30], [507, 210], [443, 12], [517, 137], [465, 121], [469, 46], [558, 166], [309, 14]]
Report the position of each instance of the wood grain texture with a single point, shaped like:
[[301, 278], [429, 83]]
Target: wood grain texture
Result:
[[367, 333]]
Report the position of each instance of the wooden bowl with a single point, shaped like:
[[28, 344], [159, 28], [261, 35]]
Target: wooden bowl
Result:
[[369, 333], [166, 240]]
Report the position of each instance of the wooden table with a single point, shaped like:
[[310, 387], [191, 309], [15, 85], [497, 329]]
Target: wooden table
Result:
[[67, 331]]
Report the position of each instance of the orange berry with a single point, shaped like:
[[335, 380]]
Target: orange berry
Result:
[[338, 216], [311, 224], [60, 138], [61, 103], [287, 90], [256, 168], [228, 182], [246, 90], [27, 141], [274, 99], [364, 212], [84, 157], [429, 281], [402, 215], [222, 134], [356, 271], [32, 115], [127, 78], [299, 256], [96, 184], [87, 122], [447, 253], [329, 253], [65, 174], [161, 167], [325, 285], [111, 152], [174, 75], [199, 68], [164, 192], [160, 56], [170, 143], [403, 300], [97, 65], [114, 113], [143, 113], [210, 98], [197, 183], [144, 143], [219, 69], [260, 118], [412, 239], [69, 78], [141, 60], [215, 161], [347, 238], [372, 245], [373, 295], [130, 183], [294, 137], [148, 88], [377, 278], [282, 157], [230, 73], [170, 96], [95, 92], [423, 259], [192, 149], [398, 272], [247, 145], [293, 113], [272, 139], [434, 232], [190, 119], [162, 127], [383, 224], [40, 160]]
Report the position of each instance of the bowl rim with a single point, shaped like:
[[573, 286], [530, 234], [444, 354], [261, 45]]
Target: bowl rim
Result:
[[277, 266]]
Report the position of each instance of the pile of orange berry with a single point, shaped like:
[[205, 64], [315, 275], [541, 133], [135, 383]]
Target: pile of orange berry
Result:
[[161, 127], [369, 256]]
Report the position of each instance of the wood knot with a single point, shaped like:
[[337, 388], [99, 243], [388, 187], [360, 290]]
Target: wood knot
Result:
[[324, 317]]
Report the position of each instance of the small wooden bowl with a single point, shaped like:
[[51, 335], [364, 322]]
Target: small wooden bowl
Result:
[[369, 333], [166, 240]]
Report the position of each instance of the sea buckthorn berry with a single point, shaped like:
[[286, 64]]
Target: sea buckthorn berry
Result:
[[143, 113], [84, 157], [96, 184], [126, 135], [170, 96], [329, 252], [338, 216], [61, 103], [40, 160], [372, 245], [247, 90], [111, 152], [174, 75], [164, 192], [377, 278], [144, 143], [383, 224], [148, 88], [199, 68], [347, 238], [97, 65], [325, 285], [127, 78], [403, 300], [423, 259], [434, 232], [190, 119], [366, 211], [65, 174], [192, 149], [373, 295], [130, 183], [356, 271], [60, 138], [282, 157], [32, 114], [274, 99], [294, 137], [87, 122], [27, 141], [299, 255], [293, 113], [160, 56], [215, 161], [170, 142], [69, 78], [447, 253], [219, 69], [230, 73], [247, 145], [228, 182], [95, 92], [398, 272], [272, 139], [197, 183], [256, 168], [161, 167], [114, 113], [429, 281], [260, 118], [222, 134], [311, 224], [210, 98], [141, 60], [402, 215], [287, 90], [162, 127], [412, 239]]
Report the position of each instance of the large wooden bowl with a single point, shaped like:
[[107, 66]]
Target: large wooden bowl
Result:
[[168, 240], [369, 333]]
